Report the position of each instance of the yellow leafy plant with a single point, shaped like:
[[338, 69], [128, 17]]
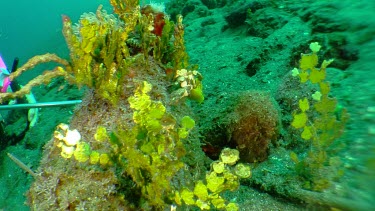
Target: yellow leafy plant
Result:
[[321, 125], [225, 175]]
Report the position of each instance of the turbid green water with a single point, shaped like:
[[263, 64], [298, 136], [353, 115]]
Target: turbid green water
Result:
[[240, 47]]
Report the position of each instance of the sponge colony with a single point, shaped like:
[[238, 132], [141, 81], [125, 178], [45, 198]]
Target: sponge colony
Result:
[[254, 123]]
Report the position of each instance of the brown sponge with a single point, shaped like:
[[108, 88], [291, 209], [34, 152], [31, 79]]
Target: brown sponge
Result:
[[253, 124]]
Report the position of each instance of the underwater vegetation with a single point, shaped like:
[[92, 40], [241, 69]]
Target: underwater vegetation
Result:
[[322, 126], [130, 144], [135, 144]]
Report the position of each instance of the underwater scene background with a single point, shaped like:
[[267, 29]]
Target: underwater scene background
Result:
[[188, 105]]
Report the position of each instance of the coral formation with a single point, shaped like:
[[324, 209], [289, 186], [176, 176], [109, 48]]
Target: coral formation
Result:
[[128, 138]]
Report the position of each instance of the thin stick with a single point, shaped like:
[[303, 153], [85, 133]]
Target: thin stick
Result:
[[22, 165]]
